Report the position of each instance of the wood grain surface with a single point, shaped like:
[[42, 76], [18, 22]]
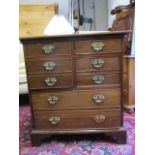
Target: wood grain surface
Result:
[[34, 18]]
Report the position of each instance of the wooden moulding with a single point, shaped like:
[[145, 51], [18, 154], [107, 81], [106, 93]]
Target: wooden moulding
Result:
[[117, 135]]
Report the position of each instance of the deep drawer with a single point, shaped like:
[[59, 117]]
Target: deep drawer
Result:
[[96, 46], [76, 99], [78, 119], [49, 66], [51, 81], [98, 64], [98, 79]]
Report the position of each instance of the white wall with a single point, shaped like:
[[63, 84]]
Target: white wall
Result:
[[101, 13], [111, 5], [95, 9], [63, 4]]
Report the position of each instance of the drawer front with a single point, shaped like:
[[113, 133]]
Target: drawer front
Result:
[[97, 46], [71, 119], [49, 66], [51, 81], [97, 79], [48, 49], [76, 100], [98, 64]]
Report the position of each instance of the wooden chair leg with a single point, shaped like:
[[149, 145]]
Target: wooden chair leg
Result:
[[35, 139], [119, 137]]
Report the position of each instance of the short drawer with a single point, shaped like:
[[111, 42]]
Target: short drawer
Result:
[[49, 66], [98, 79], [48, 49], [98, 64], [78, 119], [96, 46], [51, 81], [76, 99]]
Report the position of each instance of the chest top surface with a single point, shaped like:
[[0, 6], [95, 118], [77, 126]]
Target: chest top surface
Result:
[[117, 34]]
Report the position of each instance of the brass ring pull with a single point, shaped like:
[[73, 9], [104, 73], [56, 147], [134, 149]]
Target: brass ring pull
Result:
[[97, 46], [97, 63], [50, 81], [54, 120], [49, 65], [53, 99], [48, 49], [98, 98], [98, 79], [99, 118]]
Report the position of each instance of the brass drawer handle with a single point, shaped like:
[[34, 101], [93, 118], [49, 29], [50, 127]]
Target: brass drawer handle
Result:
[[50, 81], [98, 79], [53, 99], [49, 65], [98, 98], [97, 46], [48, 49], [99, 118], [97, 63], [54, 120]]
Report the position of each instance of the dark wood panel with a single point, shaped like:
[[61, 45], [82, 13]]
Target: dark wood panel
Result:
[[125, 81], [76, 99], [98, 64], [125, 66], [78, 119]]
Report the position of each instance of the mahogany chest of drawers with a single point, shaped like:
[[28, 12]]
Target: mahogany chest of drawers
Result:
[[75, 84]]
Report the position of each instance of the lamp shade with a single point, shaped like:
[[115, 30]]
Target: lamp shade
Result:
[[58, 25]]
